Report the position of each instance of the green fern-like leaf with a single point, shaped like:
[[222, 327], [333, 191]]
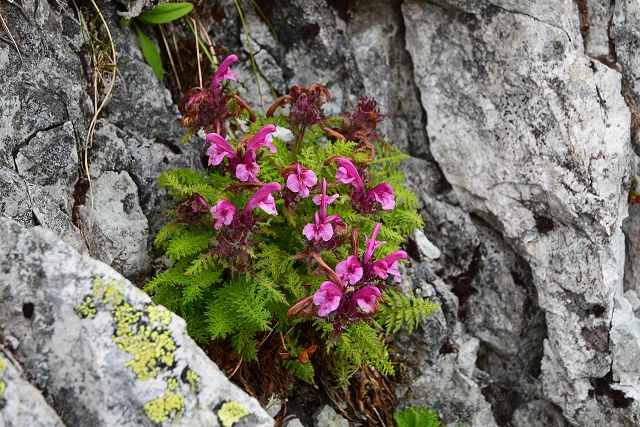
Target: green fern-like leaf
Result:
[[190, 242], [372, 347], [418, 417], [221, 321], [304, 371], [398, 310]]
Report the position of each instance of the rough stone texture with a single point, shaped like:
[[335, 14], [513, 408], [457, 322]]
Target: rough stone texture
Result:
[[43, 131], [117, 228], [97, 346], [522, 178], [21, 404], [625, 37], [442, 358], [326, 416], [533, 136]]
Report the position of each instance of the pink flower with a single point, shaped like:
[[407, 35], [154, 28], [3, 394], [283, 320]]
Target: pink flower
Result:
[[371, 244], [223, 213], [389, 265], [247, 171], [366, 298], [301, 180], [224, 72], [330, 199], [198, 204], [263, 139], [348, 174], [384, 194], [263, 199], [327, 298], [319, 230], [350, 271], [362, 199], [322, 228], [219, 149]]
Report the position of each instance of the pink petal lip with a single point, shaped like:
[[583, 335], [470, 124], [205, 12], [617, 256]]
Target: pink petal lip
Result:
[[223, 72], [263, 195], [384, 194], [223, 213], [349, 173], [350, 271], [327, 298], [247, 172], [219, 149], [366, 297], [263, 138]]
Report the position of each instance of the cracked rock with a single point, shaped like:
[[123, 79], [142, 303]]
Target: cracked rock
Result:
[[101, 351], [21, 404], [116, 226]]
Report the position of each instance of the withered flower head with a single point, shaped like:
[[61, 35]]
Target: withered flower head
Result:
[[305, 104]]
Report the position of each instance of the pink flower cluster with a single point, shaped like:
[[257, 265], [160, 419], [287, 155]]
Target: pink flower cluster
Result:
[[356, 283], [363, 199], [244, 167]]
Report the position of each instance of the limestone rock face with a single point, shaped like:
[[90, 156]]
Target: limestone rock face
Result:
[[21, 404], [534, 138], [46, 109], [523, 117], [101, 351]]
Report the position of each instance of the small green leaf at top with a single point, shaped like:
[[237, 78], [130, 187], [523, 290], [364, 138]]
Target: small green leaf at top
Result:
[[165, 12], [418, 417], [150, 53]]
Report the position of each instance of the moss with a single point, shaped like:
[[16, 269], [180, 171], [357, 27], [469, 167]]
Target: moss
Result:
[[164, 408], [232, 412]]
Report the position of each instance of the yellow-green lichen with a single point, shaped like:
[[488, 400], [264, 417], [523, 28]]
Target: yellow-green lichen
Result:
[[232, 412], [194, 381], [142, 331], [3, 385], [172, 383], [164, 408]]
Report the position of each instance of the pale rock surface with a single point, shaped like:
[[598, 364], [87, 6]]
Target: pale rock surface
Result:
[[533, 136], [326, 416], [97, 346], [21, 404], [43, 133], [116, 227]]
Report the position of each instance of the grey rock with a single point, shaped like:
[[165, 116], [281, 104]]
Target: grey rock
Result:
[[326, 416], [294, 422], [533, 137], [47, 212], [14, 197], [425, 246], [595, 25], [443, 375], [45, 117], [50, 160], [99, 348], [538, 413], [144, 160], [21, 404], [117, 228], [626, 37]]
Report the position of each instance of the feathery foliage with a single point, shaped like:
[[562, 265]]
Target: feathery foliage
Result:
[[254, 280], [418, 417], [398, 309]]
